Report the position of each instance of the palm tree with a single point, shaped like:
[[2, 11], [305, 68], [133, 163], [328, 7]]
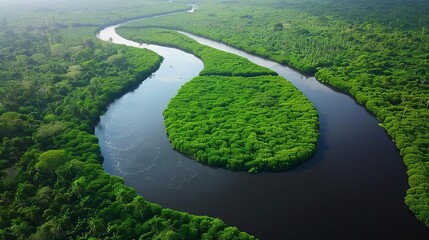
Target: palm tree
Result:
[[78, 186], [49, 230], [157, 224], [20, 229], [57, 229], [120, 197], [95, 226], [139, 204], [113, 229], [31, 213]]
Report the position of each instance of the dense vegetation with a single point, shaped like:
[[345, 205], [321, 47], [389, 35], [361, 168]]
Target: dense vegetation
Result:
[[215, 62], [375, 50], [48, 13], [54, 85], [253, 123], [242, 123], [52, 184]]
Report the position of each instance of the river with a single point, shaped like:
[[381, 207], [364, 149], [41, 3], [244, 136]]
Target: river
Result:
[[352, 188]]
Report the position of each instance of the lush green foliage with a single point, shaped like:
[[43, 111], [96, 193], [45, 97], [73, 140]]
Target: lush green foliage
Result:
[[253, 123], [61, 13], [375, 50], [242, 123], [54, 85], [215, 62]]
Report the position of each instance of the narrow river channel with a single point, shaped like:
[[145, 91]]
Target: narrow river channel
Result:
[[352, 188]]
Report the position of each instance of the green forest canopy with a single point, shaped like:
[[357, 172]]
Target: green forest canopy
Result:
[[375, 50], [55, 82], [241, 123], [253, 123]]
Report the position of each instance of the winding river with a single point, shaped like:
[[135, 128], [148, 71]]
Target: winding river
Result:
[[352, 188]]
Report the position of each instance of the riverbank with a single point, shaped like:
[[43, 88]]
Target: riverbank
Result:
[[350, 143], [265, 123], [380, 62]]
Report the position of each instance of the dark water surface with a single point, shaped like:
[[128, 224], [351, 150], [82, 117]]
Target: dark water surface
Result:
[[352, 188]]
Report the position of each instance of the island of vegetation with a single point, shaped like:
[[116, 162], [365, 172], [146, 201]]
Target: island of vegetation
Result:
[[56, 80], [375, 50], [252, 122]]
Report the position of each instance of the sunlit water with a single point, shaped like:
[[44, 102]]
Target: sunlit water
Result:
[[352, 188]]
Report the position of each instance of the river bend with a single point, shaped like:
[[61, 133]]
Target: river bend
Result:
[[352, 188]]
